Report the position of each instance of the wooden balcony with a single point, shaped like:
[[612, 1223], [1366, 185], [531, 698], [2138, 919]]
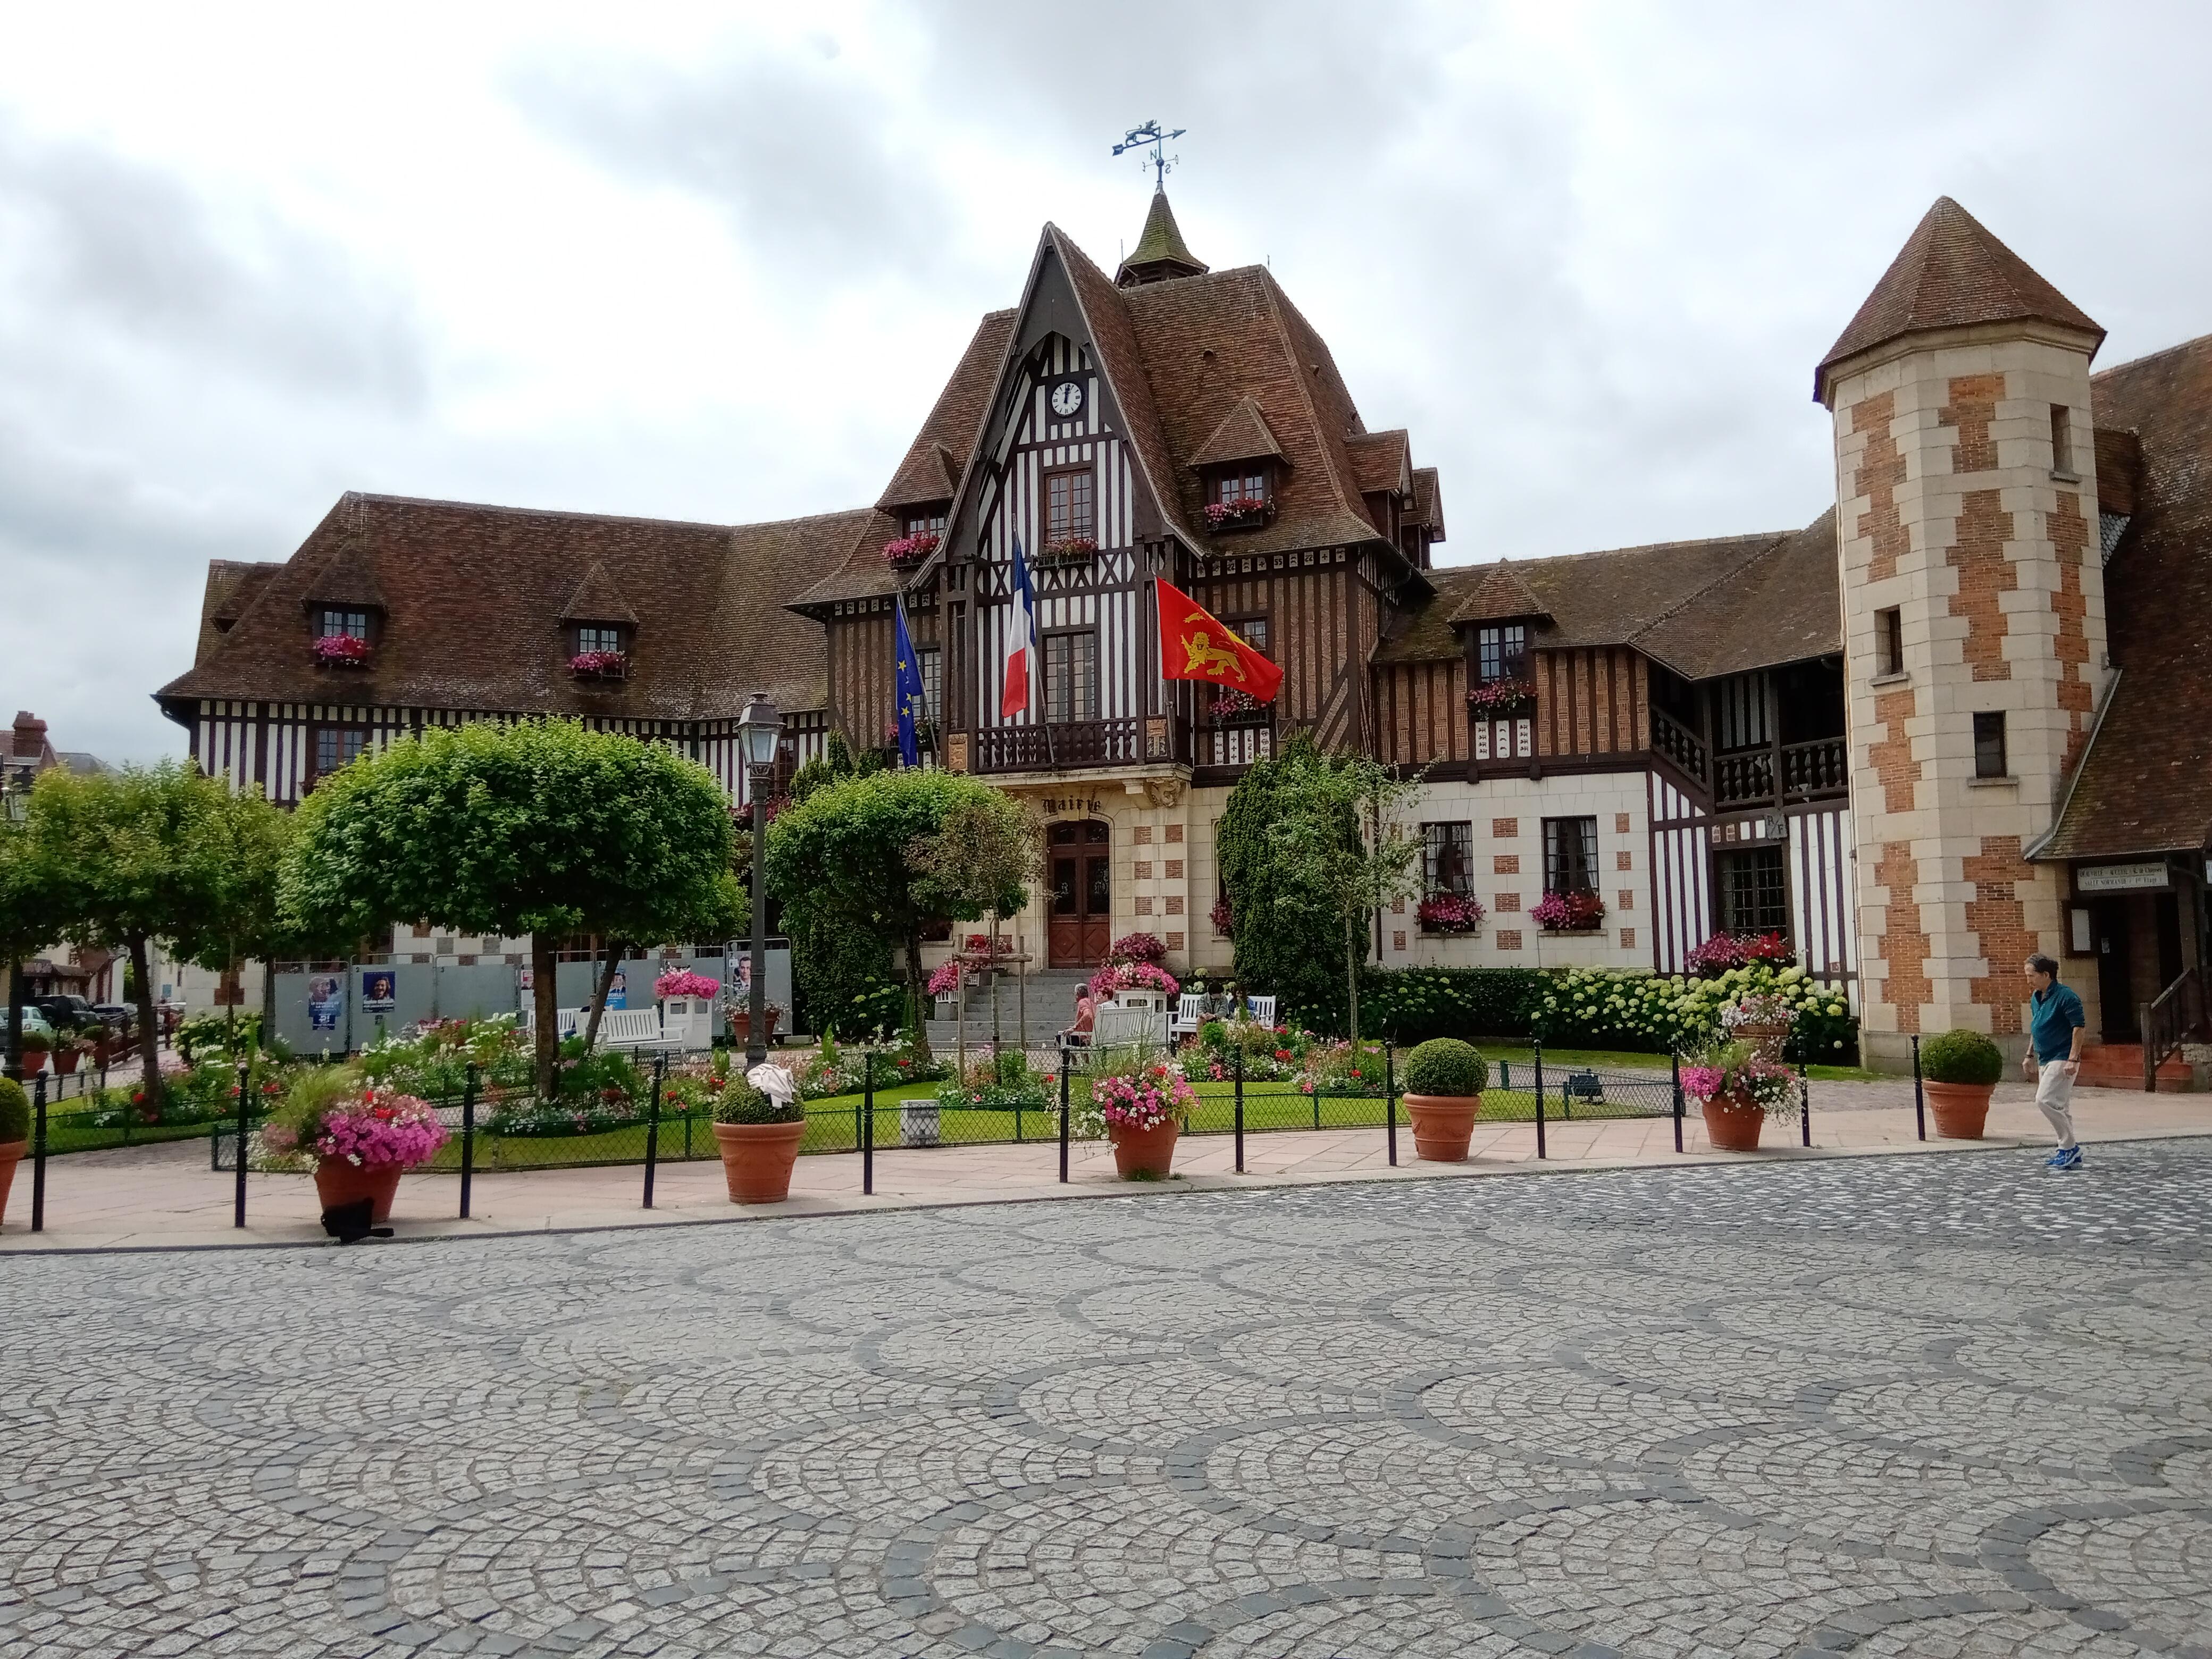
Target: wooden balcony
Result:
[[1808, 771], [1057, 745]]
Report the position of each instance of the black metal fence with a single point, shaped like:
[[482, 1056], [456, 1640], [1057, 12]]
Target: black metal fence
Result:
[[1039, 1106]]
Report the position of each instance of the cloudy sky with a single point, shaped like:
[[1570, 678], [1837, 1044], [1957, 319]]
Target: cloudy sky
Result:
[[714, 262]]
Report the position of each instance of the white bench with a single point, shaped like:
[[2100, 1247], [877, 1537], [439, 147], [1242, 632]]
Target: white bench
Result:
[[1262, 1010], [619, 1028], [1113, 1026], [1190, 1014]]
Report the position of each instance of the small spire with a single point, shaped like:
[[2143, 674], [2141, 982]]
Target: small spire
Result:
[[1160, 253]]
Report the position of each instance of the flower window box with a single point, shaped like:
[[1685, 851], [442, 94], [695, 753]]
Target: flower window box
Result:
[[1240, 513], [910, 549], [1568, 913], [1501, 699], [1069, 550], [599, 665], [1233, 708], [341, 651], [1450, 913]]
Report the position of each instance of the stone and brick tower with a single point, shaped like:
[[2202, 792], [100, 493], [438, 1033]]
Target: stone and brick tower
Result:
[[1973, 618]]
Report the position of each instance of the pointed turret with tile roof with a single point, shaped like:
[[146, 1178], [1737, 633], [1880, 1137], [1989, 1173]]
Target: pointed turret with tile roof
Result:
[[1951, 273], [1160, 253]]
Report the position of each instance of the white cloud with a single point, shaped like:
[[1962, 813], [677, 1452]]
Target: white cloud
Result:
[[710, 263]]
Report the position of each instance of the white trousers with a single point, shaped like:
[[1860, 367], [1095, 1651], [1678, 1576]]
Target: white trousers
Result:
[[2054, 1098]]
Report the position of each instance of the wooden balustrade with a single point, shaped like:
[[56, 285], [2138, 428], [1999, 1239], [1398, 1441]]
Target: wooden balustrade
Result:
[[1819, 767], [2179, 1015], [1060, 744], [1678, 745]]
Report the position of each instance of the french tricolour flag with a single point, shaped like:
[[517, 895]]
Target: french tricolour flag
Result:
[[1021, 640]]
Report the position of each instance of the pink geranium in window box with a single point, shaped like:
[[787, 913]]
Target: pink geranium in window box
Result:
[[1450, 913], [1566, 913], [341, 651], [599, 664], [918, 545], [1497, 698]]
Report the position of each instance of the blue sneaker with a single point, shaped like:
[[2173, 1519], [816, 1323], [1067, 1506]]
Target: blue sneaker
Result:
[[2068, 1158]]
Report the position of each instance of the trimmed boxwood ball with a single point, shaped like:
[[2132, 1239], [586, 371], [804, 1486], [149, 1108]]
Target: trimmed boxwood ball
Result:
[[743, 1103], [1960, 1056], [1445, 1066], [15, 1112]]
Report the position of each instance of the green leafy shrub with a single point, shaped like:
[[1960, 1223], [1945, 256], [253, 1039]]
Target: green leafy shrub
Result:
[[1445, 1066], [15, 1111], [214, 1032], [1960, 1056], [1411, 1005], [743, 1103]]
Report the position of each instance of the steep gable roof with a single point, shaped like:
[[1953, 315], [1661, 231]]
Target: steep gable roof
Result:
[[348, 575], [233, 585], [1429, 501], [1951, 272], [2145, 784], [596, 599], [927, 476], [1243, 436], [1381, 461], [1499, 593]]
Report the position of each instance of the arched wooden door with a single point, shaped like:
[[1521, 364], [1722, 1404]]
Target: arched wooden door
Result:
[[1082, 924]]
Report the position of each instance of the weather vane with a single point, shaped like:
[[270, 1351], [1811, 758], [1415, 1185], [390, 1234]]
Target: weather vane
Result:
[[1160, 161]]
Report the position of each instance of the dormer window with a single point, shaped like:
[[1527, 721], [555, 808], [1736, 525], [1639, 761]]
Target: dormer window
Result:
[[1502, 653], [1241, 497], [600, 651], [350, 624], [926, 521]]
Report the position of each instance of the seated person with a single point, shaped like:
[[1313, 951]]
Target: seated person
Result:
[[1086, 1016]]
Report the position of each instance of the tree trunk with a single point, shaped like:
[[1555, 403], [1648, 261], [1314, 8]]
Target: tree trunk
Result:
[[615, 949], [149, 1039], [917, 990], [1351, 977], [232, 968], [542, 964], [268, 1004]]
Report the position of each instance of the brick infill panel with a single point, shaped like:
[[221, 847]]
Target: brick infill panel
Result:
[[1890, 756], [1978, 556], [1972, 405], [2069, 541], [1999, 919], [1904, 947], [1880, 471]]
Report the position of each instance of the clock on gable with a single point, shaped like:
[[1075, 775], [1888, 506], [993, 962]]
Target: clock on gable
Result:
[[1067, 398]]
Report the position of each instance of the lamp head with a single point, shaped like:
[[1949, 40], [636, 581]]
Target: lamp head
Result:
[[761, 728]]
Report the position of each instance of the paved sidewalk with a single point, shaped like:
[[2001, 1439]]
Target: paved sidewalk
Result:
[[156, 1197]]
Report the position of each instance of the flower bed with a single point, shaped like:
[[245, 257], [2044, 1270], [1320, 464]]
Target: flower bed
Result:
[[1636, 1009], [340, 651], [1116, 976], [1725, 951], [1450, 913], [1568, 913], [683, 982]]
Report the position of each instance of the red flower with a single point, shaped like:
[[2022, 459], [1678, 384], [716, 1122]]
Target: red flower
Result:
[[382, 1114], [1282, 1053], [1355, 1071], [137, 1096]]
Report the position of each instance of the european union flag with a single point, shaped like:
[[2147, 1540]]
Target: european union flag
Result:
[[906, 683]]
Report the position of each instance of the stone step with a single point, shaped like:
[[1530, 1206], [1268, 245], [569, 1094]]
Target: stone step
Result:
[[2120, 1066]]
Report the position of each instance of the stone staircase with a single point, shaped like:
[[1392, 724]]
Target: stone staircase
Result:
[[2120, 1066], [1051, 993]]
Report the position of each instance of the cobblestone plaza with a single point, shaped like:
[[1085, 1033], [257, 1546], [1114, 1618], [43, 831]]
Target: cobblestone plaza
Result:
[[1905, 1406]]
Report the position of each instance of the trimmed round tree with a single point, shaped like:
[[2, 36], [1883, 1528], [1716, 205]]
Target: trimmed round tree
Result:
[[866, 855], [540, 828]]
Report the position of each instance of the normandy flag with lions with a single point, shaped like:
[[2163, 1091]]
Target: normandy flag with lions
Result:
[[1196, 645]]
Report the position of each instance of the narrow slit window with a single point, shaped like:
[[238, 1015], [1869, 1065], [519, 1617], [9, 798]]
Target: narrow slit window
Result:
[[1888, 641], [1990, 761], [2061, 439]]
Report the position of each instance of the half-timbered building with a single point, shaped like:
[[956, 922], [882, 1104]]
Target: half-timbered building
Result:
[[1685, 736]]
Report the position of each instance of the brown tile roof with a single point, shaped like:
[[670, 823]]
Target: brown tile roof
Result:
[[1243, 436], [472, 600], [1499, 592], [1160, 253], [596, 599], [2119, 464], [346, 575], [231, 586], [1381, 461], [2145, 785], [1429, 501], [1950, 273], [939, 451], [1704, 608]]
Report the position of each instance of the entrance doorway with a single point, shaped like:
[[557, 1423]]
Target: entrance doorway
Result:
[[2114, 942], [1082, 925]]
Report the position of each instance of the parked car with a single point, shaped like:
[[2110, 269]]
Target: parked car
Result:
[[33, 1020], [65, 1011], [118, 1017]]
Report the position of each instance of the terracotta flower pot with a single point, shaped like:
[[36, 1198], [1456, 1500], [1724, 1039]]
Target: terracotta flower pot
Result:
[[1733, 1126], [756, 1160], [1144, 1152], [1766, 1039], [1961, 1109], [337, 1182], [11, 1154], [64, 1061], [741, 1029], [1442, 1125]]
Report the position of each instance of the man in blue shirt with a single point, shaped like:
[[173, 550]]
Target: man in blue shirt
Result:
[[2056, 1030]]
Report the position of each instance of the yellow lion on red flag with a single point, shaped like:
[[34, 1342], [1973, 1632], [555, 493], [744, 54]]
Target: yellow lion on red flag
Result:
[[1197, 645]]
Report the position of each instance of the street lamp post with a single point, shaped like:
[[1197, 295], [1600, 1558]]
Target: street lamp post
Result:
[[760, 728], [13, 804]]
